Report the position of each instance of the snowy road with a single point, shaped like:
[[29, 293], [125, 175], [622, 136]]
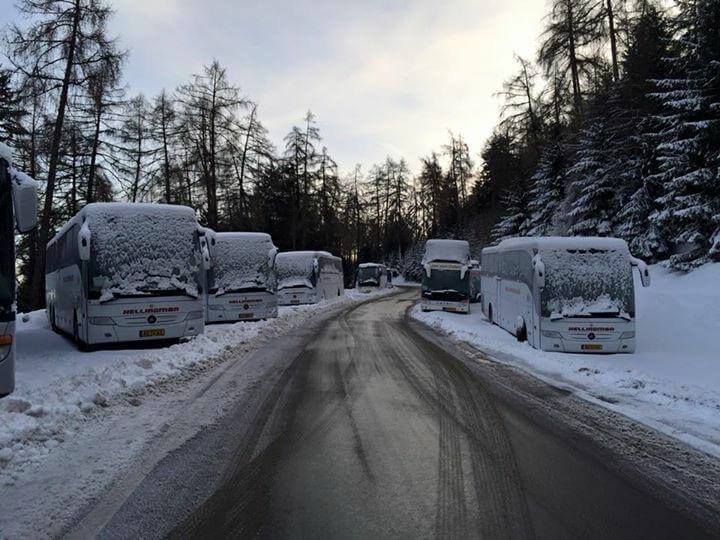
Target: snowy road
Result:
[[376, 427]]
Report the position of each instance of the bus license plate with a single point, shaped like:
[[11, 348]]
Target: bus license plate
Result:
[[294, 301], [449, 309], [245, 316], [153, 332], [592, 347]]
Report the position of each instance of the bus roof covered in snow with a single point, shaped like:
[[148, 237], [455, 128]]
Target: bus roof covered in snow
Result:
[[447, 250]]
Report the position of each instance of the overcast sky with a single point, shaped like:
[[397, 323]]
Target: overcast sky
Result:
[[384, 77]]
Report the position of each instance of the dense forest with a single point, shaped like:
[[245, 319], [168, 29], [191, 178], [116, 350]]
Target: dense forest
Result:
[[612, 129]]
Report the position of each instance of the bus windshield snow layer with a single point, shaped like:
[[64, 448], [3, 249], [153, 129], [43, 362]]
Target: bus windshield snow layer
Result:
[[587, 283], [143, 251]]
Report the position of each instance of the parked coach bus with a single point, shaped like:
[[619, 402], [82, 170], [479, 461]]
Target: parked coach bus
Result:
[[372, 277], [119, 273], [446, 276], [241, 281], [571, 294], [18, 211], [306, 277]]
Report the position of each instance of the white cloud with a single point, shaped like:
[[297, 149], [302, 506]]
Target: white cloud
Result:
[[382, 77]]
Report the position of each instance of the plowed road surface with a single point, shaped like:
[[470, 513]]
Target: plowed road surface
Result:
[[373, 427]]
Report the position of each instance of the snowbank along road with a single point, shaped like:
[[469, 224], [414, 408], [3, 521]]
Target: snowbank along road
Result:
[[374, 426]]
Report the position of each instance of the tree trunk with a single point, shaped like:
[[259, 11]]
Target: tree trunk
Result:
[[38, 285], [93, 155], [166, 157], [243, 161], [577, 97], [613, 42]]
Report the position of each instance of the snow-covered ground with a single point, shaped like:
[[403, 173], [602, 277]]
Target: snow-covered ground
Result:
[[672, 382], [59, 388]]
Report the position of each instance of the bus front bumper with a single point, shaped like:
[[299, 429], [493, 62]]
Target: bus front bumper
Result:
[[445, 305], [295, 297], [106, 333], [607, 346], [242, 307]]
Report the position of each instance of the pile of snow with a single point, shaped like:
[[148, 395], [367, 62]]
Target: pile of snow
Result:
[[242, 260], [140, 247], [59, 389], [671, 383]]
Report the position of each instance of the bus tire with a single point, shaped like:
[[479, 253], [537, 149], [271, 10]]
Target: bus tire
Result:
[[521, 330], [53, 324], [490, 314], [76, 335]]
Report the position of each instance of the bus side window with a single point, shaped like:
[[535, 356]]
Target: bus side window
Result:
[[526, 270]]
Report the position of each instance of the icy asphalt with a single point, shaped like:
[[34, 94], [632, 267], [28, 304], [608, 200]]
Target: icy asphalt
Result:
[[366, 424]]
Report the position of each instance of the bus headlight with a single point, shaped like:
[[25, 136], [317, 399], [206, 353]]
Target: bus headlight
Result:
[[194, 315], [551, 334], [627, 335], [102, 321]]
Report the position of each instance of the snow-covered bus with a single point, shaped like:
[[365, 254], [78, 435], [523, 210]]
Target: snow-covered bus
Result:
[[121, 272], [241, 281], [306, 277], [18, 211], [372, 277], [446, 276], [573, 294]]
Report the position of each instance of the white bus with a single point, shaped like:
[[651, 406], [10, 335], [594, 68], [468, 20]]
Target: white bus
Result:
[[18, 211], [306, 277], [372, 277], [121, 273], [572, 294], [241, 280], [446, 276]]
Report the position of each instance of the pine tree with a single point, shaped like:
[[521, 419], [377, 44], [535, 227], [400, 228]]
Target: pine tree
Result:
[[548, 191], [593, 181], [11, 109], [643, 61], [688, 213], [517, 216]]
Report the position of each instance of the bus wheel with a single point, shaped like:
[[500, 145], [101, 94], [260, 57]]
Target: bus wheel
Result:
[[76, 335], [53, 324], [520, 330]]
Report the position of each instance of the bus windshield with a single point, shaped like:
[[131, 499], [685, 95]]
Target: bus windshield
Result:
[[587, 283], [241, 263], [141, 250], [369, 275], [7, 242], [295, 270], [446, 284]]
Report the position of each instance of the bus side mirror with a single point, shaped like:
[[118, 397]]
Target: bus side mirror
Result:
[[84, 242], [539, 271], [205, 256], [24, 191], [643, 270]]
